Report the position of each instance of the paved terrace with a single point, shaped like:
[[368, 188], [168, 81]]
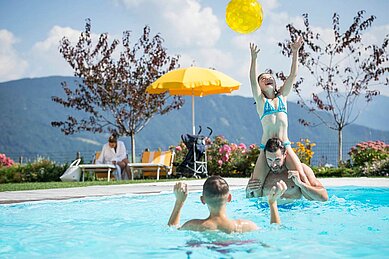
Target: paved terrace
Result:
[[157, 187]]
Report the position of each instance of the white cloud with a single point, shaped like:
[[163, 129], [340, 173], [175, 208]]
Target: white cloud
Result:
[[216, 58], [190, 24], [129, 3], [45, 56], [54, 37], [376, 35], [186, 23], [269, 5], [12, 65], [209, 58]]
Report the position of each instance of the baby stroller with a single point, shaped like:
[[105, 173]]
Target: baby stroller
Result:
[[195, 161]]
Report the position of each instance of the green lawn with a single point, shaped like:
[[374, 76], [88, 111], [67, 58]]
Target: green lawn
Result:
[[53, 185]]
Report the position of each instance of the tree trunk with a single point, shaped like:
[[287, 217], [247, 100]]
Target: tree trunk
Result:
[[340, 146], [133, 155]]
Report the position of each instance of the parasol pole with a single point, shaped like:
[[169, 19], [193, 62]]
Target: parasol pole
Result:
[[193, 115]]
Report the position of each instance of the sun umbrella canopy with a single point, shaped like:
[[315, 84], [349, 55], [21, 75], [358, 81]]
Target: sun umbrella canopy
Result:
[[195, 81]]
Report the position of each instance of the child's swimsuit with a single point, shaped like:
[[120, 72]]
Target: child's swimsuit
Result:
[[269, 109]]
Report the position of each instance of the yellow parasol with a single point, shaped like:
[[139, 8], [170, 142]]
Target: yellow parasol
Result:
[[193, 81]]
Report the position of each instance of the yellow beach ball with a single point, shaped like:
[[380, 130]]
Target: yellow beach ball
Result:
[[244, 16]]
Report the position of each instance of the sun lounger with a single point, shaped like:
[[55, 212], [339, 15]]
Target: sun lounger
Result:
[[154, 164], [98, 169]]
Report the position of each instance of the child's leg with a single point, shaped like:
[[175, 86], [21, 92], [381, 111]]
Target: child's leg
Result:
[[294, 163], [258, 177]]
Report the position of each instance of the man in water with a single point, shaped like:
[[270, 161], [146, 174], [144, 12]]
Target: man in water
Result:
[[276, 154], [216, 194]]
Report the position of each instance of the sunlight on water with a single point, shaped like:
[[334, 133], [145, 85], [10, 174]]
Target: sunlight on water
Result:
[[354, 222]]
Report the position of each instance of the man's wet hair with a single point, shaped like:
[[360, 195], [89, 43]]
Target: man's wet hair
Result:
[[215, 186], [273, 144]]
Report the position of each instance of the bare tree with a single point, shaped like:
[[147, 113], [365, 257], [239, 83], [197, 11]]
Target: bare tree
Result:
[[112, 93], [344, 68]]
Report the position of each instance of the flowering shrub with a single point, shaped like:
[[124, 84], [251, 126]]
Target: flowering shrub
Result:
[[224, 158], [304, 151], [41, 170], [368, 152], [376, 168], [180, 152], [5, 161]]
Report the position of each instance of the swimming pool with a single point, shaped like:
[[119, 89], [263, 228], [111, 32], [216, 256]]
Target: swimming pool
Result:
[[353, 223]]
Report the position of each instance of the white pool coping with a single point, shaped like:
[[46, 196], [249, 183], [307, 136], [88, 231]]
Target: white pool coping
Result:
[[156, 188]]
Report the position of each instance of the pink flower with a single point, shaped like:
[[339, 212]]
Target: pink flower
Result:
[[252, 146], [178, 148], [225, 158], [233, 146], [5, 161], [225, 149], [242, 146], [220, 163]]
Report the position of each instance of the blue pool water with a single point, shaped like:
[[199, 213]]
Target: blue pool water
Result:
[[353, 223]]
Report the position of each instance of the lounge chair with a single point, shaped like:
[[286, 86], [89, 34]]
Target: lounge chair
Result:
[[99, 170], [154, 164]]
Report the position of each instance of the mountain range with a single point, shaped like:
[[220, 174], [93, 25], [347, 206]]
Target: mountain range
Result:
[[26, 111]]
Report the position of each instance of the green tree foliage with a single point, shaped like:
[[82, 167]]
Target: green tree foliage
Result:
[[112, 93]]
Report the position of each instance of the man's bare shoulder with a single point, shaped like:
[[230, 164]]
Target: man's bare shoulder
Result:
[[195, 225], [240, 225], [244, 225]]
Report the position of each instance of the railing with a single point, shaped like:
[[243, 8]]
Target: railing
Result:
[[324, 153]]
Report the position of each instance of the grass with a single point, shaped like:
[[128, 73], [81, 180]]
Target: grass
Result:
[[54, 185]]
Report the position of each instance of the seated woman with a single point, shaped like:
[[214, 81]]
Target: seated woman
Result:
[[115, 152], [272, 110]]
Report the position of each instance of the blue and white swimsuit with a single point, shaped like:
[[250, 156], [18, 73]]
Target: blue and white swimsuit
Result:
[[269, 109]]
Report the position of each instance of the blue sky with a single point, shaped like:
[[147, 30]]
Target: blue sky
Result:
[[30, 31]]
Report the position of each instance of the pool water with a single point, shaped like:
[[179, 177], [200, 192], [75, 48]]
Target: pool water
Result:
[[353, 223]]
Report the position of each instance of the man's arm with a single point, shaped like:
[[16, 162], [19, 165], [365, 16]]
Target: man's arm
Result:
[[293, 162], [312, 189], [287, 87], [181, 192], [275, 193]]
